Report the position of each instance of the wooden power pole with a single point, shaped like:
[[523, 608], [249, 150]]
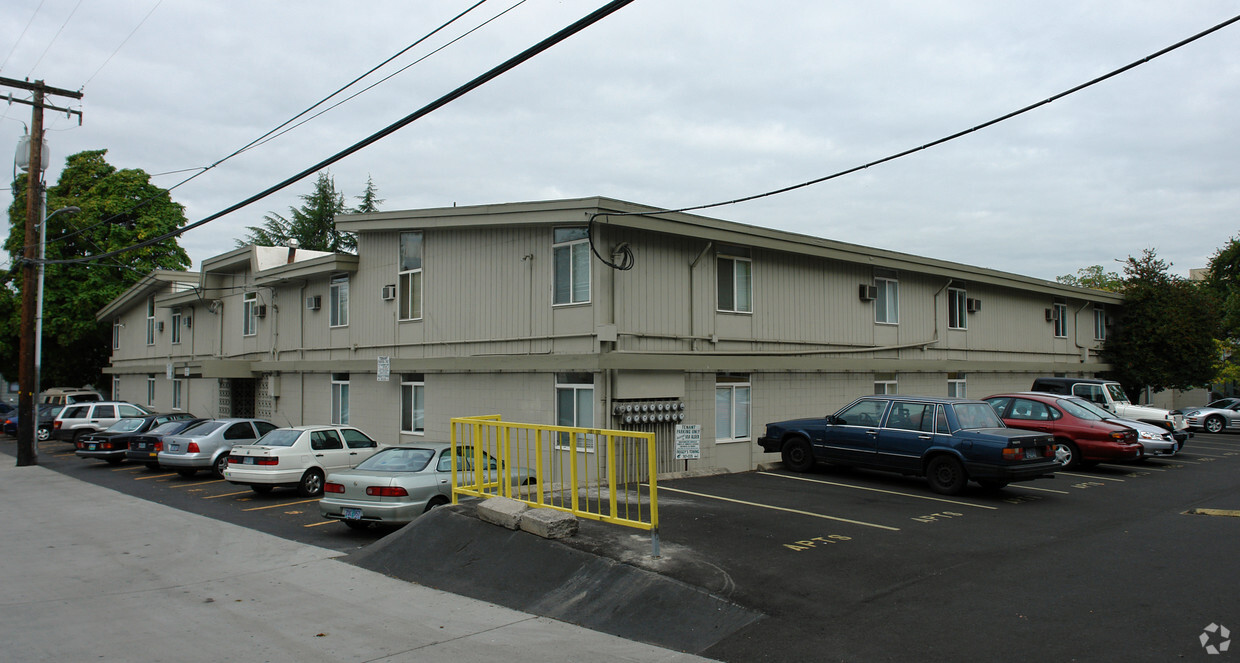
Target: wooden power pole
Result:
[[26, 399]]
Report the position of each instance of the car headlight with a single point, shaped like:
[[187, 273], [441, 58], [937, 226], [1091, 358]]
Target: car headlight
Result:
[[1192, 413], [1146, 435]]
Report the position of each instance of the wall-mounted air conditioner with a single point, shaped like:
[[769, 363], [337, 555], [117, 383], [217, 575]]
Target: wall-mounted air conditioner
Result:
[[972, 305], [314, 302], [389, 292], [1052, 314], [262, 310], [160, 326], [868, 293]]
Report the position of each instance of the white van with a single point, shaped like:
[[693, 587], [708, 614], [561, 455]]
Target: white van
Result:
[[69, 395]]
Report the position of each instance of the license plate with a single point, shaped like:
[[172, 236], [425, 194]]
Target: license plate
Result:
[[353, 514], [174, 447], [248, 460], [1031, 453], [90, 447]]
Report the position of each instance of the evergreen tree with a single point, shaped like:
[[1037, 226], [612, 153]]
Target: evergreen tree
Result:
[[313, 224]]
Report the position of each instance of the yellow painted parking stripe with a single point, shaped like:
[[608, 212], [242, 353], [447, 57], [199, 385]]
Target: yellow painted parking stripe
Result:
[[779, 508], [1044, 490], [197, 483], [278, 506], [242, 492], [879, 490], [325, 522], [1088, 476], [155, 476], [1198, 453], [1214, 512]]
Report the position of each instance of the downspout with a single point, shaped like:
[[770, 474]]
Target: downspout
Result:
[[1076, 332], [935, 340], [692, 318]]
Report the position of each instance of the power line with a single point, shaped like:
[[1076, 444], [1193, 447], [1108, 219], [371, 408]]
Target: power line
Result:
[[54, 38], [479, 81], [22, 35], [122, 44]]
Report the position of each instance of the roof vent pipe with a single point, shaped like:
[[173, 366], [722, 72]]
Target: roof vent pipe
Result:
[[292, 249]]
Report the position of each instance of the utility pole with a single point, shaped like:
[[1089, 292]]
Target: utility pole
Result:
[[26, 399]]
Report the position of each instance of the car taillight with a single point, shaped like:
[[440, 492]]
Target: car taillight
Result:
[[333, 488], [56, 424], [159, 446], [192, 448], [1048, 451], [1013, 453], [386, 491]]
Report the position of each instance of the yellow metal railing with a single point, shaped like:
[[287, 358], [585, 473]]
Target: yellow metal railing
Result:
[[592, 473]]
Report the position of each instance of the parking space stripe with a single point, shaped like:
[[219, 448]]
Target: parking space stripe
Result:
[[277, 506], [197, 483], [325, 522], [241, 492], [1088, 476], [779, 508], [155, 476], [879, 490], [1044, 490]]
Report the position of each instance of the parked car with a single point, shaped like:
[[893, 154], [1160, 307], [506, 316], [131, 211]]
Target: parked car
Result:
[[68, 395], [1155, 440], [298, 457], [207, 445], [112, 443], [950, 441], [78, 419], [145, 447], [47, 413], [1082, 436], [398, 484], [1110, 396], [1214, 417]]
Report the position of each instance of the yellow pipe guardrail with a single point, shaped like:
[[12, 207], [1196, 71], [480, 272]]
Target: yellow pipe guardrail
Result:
[[589, 472]]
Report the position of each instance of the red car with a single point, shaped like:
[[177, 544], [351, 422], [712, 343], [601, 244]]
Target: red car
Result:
[[1081, 436]]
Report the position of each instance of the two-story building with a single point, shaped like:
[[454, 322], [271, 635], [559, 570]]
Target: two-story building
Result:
[[591, 312]]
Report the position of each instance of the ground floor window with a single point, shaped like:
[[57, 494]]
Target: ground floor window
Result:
[[150, 390], [116, 389], [574, 406], [177, 387], [413, 404], [956, 387], [885, 387], [732, 407], [340, 398]]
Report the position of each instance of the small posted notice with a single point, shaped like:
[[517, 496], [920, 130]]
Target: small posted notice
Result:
[[688, 441]]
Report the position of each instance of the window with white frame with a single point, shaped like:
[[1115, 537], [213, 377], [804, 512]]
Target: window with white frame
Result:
[[1060, 318], [732, 407], [178, 387], [885, 387], [887, 304], [117, 326], [116, 388], [150, 321], [409, 278], [340, 398], [574, 406], [249, 314], [735, 284], [956, 387], [150, 389], [957, 309], [413, 404], [176, 326], [338, 294], [1100, 324], [571, 259]]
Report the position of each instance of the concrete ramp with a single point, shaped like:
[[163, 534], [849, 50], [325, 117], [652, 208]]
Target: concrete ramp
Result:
[[451, 550]]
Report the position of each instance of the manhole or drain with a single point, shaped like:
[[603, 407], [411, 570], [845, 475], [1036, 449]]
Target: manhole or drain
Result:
[[1213, 512]]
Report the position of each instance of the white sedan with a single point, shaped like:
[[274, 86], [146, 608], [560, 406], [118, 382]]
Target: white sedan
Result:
[[298, 457]]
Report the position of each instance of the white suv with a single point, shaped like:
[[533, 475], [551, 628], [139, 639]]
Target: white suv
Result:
[[78, 419], [298, 457]]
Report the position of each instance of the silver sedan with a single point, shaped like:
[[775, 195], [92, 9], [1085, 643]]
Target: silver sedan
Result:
[[1214, 417], [398, 484]]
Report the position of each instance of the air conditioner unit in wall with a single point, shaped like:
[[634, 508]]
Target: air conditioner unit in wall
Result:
[[868, 293], [262, 311], [389, 292], [314, 302], [972, 305], [160, 325], [1052, 314]]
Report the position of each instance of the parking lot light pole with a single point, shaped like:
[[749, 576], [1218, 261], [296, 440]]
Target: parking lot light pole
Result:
[[38, 323]]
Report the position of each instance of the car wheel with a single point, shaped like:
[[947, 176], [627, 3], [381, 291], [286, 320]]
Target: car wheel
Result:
[[311, 484], [218, 467], [946, 475], [187, 472], [992, 485], [261, 489], [1214, 424], [43, 434], [798, 455], [77, 436], [1066, 454], [435, 501]]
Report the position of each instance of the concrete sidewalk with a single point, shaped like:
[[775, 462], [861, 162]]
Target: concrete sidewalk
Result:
[[90, 574]]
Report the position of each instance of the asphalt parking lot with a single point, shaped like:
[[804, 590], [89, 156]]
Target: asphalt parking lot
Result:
[[1107, 563]]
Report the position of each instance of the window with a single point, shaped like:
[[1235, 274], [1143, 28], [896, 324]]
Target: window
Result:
[[116, 334], [862, 413], [1100, 324], [1061, 320], [574, 406], [1027, 410], [325, 439], [242, 430], [356, 439], [150, 321], [735, 285], [150, 390], [957, 309], [732, 405], [177, 387], [885, 387], [409, 279], [956, 387], [339, 296], [116, 388], [413, 404], [911, 416], [340, 398], [887, 304], [249, 314], [571, 255], [176, 326]]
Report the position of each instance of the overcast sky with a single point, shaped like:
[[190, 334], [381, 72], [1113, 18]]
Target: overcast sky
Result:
[[679, 103]]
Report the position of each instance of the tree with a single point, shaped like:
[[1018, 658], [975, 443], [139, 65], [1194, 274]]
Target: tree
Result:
[[1164, 336], [313, 224], [119, 208], [1223, 283], [369, 200], [1094, 277]]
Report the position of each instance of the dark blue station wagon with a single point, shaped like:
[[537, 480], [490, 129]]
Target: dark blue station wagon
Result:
[[950, 441]]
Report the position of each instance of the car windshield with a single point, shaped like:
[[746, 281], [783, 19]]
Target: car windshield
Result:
[[204, 428], [1082, 403], [1117, 393], [280, 437], [170, 427], [398, 460], [1074, 408], [976, 415], [125, 426]]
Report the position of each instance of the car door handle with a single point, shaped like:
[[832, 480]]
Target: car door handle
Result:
[[924, 436], [318, 455]]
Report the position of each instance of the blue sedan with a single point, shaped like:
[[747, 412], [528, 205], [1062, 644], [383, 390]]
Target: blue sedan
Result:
[[950, 441]]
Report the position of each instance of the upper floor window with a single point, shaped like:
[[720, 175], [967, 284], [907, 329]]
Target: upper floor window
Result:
[[887, 304], [571, 257], [117, 326], [735, 277], [249, 314], [176, 326], [1060, 318], [340, 398], [957, 309], [150, 321], [409, 279], [732, 406], [1100, 324], [339, 296]]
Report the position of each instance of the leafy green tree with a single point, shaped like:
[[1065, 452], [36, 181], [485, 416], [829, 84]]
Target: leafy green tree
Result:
[[313, 224], [1164, 337], [1223, 283], [1094, 277], [119, 208]]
